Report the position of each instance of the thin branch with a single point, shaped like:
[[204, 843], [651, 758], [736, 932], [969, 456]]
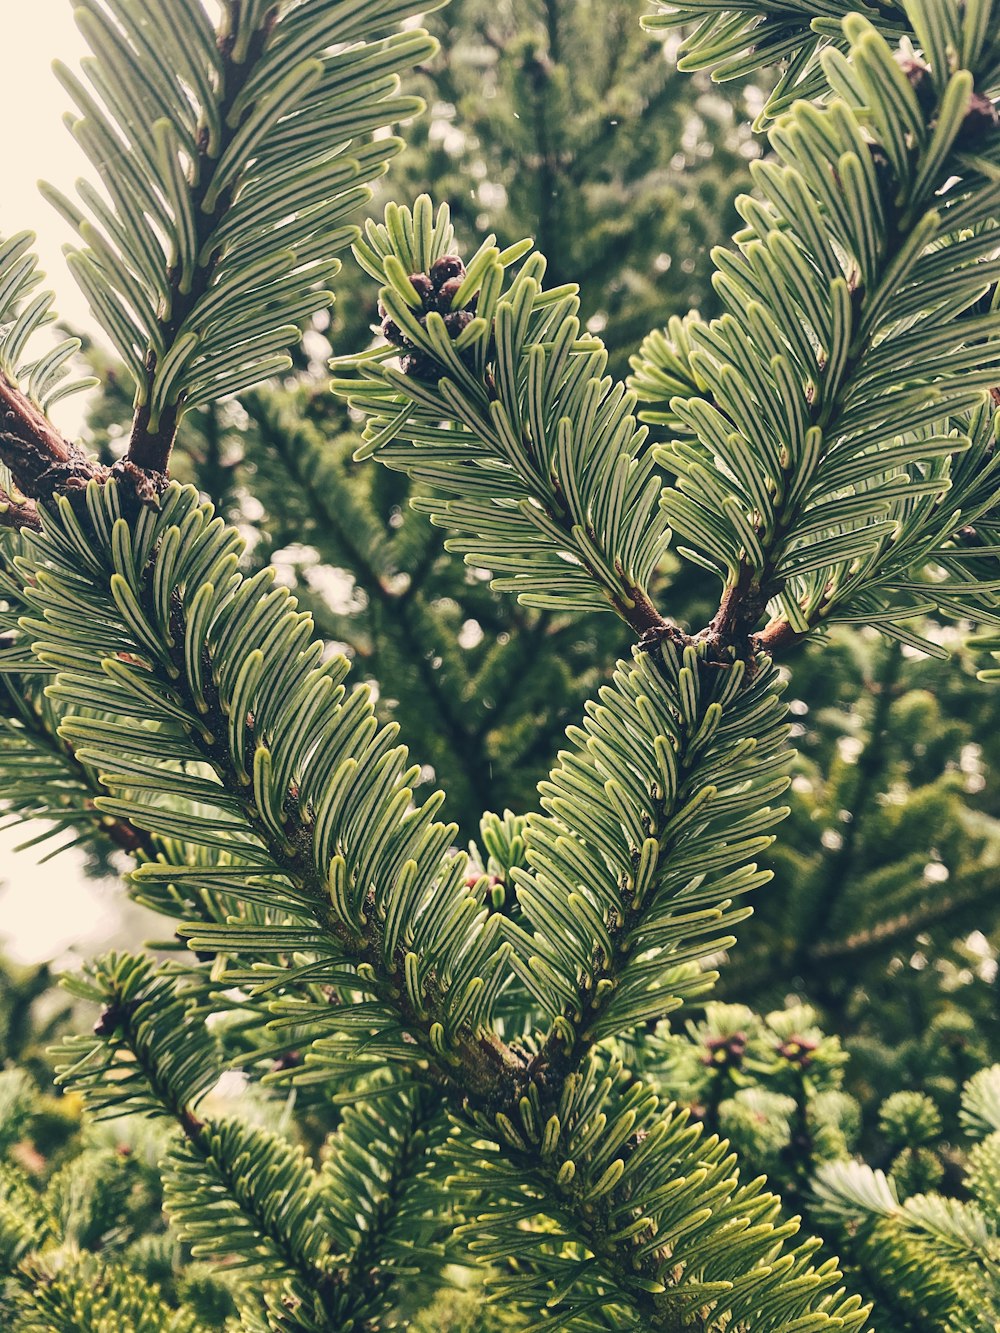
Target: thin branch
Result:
[[150, 445], [40, 460], [18, 514]]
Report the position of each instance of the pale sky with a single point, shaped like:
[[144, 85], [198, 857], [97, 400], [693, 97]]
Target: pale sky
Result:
[[44, 909], [38, 145]]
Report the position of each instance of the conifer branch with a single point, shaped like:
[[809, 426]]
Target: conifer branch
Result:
[[782, 365], [40, 461], [822, 385], [904, 927], [739, 39], [615, 902], [150, 447], [230, 159], [286, 844], [54, 1289], [607, 1169], [431, 1024], [42, 777], [384, 1154], [934, 1256], [554, 493], [230, 1189]]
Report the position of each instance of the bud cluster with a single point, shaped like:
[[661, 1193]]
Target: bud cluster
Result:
[[437, 290], [981, 118], [725, 1052], [798, 1050]]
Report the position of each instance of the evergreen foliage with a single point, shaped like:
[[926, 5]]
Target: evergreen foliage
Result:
[[891, 846], [506, 80], [477, 1025], [933, 1257], [561, 120]]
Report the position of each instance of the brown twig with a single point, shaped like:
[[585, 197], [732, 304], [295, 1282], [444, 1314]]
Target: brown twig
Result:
[[18, 514], [43, 464], [40, 460]]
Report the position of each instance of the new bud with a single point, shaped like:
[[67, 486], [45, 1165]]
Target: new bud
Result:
[[448, 266], [981, 120], [392, 333], [423, 286], [447, 292], [456, 321]]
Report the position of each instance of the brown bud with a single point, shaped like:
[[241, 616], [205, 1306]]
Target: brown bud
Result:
[[448, 266], [457, 321], [981, 120], [290, 1060], [110, 1021], [423, 286], [725, 1051], [392, 333], [919, 76], [447, 292], [798, 1050], [419, 366]]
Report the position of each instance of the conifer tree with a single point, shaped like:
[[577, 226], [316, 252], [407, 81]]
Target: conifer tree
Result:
[[831, 437]]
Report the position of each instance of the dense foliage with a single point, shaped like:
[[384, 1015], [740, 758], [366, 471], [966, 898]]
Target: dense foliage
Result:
[[503, 1071]]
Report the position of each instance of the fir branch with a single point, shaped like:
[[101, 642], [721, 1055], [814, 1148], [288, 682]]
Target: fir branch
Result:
[[787, 484], [904, 927], [554, 493], [382, 1157], [305, 830], [229, 168], [108, 1296], [149, 1053], [650, 823], [739, 39], [152, 1053], [38, 458], [429, 1011], [218, 724], [642, 1216], [40, 461], [242, 1196], [43, 778], [953, 1245], [775, 519]]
